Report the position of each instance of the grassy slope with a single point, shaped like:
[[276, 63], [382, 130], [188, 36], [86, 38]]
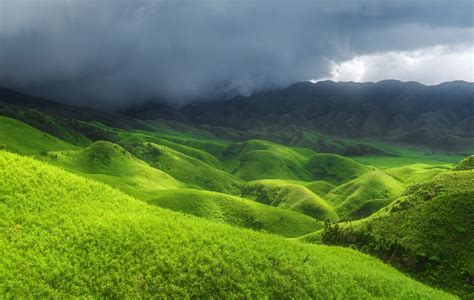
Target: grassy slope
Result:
[[428, 231], [465, 164], [290, 196], [373, 185], [334, 168], [416, 173], [19, 137], [255, 159], [62, 235], [111, 164], [186, 168], [237, 211], [128, 137]]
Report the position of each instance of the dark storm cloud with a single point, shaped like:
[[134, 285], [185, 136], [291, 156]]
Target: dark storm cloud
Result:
[[121, 52]]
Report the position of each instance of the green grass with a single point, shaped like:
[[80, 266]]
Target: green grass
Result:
[[416, 173], [334, 168], [428, 231], [407, 156], [64, 236], [465, 164], [237, 211], [289, 196], [373, 185], [185, 168], [111, 164], [16, 136], [130, 137], [255, 159]]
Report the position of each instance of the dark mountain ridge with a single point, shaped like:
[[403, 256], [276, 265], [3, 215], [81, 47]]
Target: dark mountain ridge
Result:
[[439, 116]]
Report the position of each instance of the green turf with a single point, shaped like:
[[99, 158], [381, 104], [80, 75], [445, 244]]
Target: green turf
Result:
[[111, 164], [373, 185], [255, 159], [290, 196], [16, 136], [237, 211], [334, 168], [465, 164], [64, 236], [185, 168], [428, 231]]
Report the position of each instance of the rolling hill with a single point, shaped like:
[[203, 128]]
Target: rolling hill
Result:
[[66, 236], [428, 231]]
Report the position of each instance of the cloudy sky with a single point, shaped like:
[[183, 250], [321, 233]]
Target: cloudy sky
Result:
[[117, 52]]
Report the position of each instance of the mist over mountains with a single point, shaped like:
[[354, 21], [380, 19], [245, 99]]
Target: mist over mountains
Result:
[[439, 117]]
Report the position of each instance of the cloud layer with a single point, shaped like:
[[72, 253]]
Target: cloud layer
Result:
[[117, 53]]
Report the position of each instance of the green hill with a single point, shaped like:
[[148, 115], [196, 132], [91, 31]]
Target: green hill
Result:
[[16, 136], [373, 185], [237, 211], [112, 164], [334, 168], [290, 196], [254, 159], [428, 231], [64, 236], [415, 173], [186, 168], [465, 164], [130, 137]]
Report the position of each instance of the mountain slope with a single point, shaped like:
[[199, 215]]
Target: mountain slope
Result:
[[113, 165], [437, 116], [65, 236], [19, 137], [237, 211], [428, 231], [280, 193]]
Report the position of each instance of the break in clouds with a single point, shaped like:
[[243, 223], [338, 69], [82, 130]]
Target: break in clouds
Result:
[[117, 53]]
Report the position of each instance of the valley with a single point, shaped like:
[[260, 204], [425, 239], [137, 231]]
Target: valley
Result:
[[112, 205]]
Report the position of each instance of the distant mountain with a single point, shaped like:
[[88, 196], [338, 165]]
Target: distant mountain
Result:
[[440, 116]]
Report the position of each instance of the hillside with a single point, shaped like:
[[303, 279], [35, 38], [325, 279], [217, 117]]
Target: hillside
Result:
[[334, 168], [113, 165], [129, 248], [289, 196], [428, 231], [255, 159], [186, 168], [22, 138], [438, 116], [237, 211]]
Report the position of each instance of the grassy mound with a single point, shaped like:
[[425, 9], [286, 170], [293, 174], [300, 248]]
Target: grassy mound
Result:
[[16, 136], [129, 137], [334, 168], [320, 187], [428, 231], [66, 236], [366, 209], [186, 168], [289, 196], [373, 185], [254, 159], [112, 164], [416, 173], [465, 164], [237, 211]]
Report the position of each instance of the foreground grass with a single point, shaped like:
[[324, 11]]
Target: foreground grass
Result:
[[62, 236]]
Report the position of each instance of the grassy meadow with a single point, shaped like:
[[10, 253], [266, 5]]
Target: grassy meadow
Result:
[[166, 209]]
